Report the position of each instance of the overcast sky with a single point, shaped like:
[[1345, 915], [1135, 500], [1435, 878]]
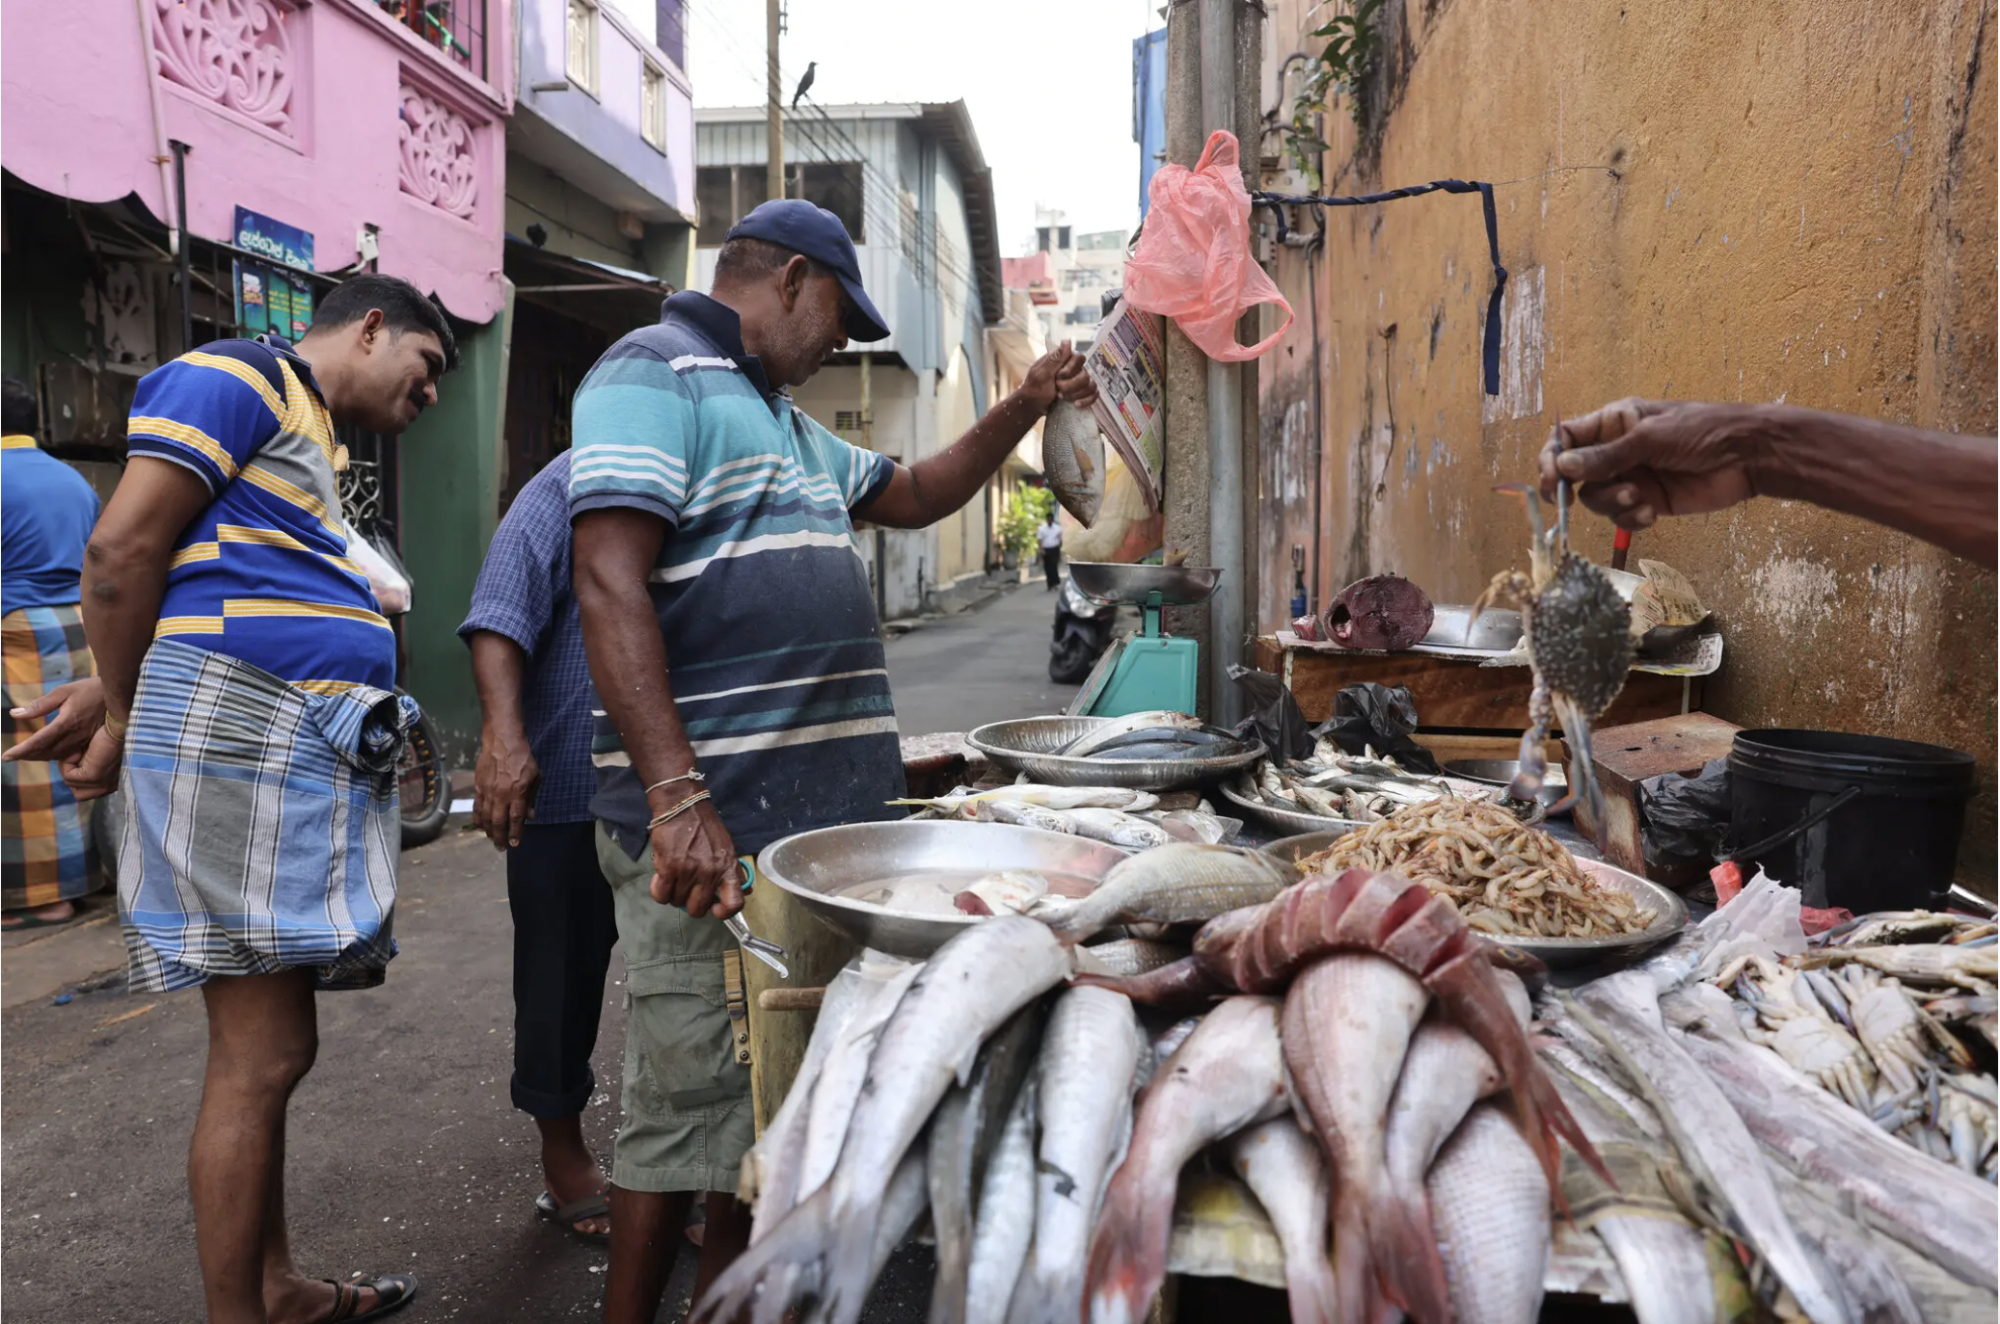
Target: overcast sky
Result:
[[1048, 82]]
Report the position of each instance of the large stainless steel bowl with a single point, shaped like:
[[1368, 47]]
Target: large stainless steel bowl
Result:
[[812, 865], [1029, 744], [1670, 913], [1177, 585], [1284, 820]]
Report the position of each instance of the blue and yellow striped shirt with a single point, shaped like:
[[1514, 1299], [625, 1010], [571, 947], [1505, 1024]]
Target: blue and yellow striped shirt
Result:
[[262, 574]]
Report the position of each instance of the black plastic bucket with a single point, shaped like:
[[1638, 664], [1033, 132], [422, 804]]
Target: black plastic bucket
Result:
[[1863, 822]]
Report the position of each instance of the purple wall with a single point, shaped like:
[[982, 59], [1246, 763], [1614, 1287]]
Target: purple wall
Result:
[[326, 116]]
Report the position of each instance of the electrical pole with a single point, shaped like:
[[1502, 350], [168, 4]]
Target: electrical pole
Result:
[[774, 112]]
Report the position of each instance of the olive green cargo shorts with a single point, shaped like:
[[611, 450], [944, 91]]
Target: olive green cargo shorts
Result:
[[687, 1119]]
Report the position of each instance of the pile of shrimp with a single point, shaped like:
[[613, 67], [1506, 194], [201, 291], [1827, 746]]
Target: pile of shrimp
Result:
[[1505, 878]]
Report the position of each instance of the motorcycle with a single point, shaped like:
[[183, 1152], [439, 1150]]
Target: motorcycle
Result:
[[1082, 633]]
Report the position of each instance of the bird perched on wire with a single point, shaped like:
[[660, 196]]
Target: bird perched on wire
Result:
[[805, 83]]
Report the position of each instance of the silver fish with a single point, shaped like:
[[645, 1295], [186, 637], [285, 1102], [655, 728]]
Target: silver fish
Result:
[[962, 1134], [1099, 736], [973, 983], [1709, 1134], [1229, 1074], [1092, 1052], [1176, 884], [1118, 828], [963, 802], [1006, 1221], [1023, 814], [1128, 956], [1663, 1259], [1287, 1173], [903, 1203], [1444, 1074], [778, 1158], [841, 1079], [1073, 460], [1198, 826], [1947, 1215], [1490, 1206], [1347, 1025]]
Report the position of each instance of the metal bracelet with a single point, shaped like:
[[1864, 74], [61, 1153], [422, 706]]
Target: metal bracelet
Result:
[[670, 815], [691, 775]]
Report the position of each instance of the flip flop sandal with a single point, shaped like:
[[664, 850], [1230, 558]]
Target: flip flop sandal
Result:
[[37, 922], [392, 1291], [569, 1215]]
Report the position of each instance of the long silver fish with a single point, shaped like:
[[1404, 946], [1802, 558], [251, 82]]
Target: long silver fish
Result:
[[1128, 956], [1490, 1206], [1177, 884], [1444, 1074], [1006, 1221], [962, 1134], [1932, 1207], [1099, 736], [1118, 828], [973, 983], [1347, 1025], [778, 1157], [964, 803], [1229, 1074], [1661, 1255], [902, 1205], [1285, 1170], [1709, 1134], [841, 1079], [1092, 1052]]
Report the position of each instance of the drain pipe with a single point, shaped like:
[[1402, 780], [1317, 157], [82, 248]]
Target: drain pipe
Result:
[[1225, 401], [160, 155]]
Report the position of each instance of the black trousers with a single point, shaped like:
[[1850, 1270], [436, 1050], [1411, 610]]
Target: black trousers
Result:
[[563, 934], [1051, 560]]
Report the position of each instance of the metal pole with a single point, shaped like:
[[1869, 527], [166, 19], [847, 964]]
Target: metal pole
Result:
[[774, 112], [180, 150], [1225, 399]]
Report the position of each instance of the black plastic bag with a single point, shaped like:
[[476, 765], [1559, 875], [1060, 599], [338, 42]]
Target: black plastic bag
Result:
[[1685, 818], [1371, 715], [1274, 717]]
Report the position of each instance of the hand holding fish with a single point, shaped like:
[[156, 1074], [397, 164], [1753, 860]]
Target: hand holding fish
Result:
[[694, 864], [1059, 374]]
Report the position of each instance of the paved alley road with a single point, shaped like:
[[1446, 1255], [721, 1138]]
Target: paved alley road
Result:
[[980, 666], [404, 1151]]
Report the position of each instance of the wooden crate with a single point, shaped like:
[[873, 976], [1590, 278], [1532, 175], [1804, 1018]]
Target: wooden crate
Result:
[[1456, 693]]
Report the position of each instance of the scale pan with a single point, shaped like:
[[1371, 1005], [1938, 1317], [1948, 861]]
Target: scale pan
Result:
[[1177, 585]]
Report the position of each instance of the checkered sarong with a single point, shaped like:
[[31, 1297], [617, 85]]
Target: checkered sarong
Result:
[[261, 825], [47, 855]]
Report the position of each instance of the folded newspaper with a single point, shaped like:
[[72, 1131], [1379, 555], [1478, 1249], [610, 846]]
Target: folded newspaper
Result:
[[1125, 362]]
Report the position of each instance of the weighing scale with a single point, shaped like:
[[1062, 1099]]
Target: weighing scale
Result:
[[1151, 670]]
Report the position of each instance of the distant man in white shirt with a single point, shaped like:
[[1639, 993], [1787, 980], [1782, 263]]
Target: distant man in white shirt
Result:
[[1049, 535]]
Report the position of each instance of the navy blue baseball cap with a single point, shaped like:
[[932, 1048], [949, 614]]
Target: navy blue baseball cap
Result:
[[817, 233]]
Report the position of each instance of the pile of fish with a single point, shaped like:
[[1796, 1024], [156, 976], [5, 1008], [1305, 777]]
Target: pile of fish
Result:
[[1161, 734], [1359, 788], [1887, 1013], [1347, 1031], [1130, 820]]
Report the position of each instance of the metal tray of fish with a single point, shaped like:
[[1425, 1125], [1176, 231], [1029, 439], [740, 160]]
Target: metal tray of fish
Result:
[[819, 866], [1670, 913], [1292, 821], [1028, 744]]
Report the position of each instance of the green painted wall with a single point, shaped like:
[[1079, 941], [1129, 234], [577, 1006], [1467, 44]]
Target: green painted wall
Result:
[[450, 461], [578, 224]]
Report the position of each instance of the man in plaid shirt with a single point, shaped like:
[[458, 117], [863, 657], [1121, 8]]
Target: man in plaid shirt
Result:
[[534, 764]]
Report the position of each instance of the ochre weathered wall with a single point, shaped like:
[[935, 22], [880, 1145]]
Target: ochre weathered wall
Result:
[[1803, 211]]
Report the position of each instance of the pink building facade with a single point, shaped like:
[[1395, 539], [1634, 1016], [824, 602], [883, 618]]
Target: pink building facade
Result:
[[335, 117]]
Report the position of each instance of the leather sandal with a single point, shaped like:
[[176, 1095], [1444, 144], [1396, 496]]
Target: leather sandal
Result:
[[569, 1215], [392, 1291]]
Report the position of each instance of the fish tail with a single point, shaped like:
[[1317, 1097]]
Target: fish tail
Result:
[[782, 1268], [1544, 1121], [1353, 1261], [954, 1262], [1407, 1259], [1313, 1295], [849, 1270], [1128, 1255]]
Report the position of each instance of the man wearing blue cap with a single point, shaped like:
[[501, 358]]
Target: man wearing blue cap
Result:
[[736, 656]]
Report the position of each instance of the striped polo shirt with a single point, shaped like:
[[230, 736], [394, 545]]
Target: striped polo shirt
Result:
[[773, 649], [262, 574]]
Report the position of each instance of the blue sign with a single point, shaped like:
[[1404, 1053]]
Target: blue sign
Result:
[[273, 240], [1149, 109]]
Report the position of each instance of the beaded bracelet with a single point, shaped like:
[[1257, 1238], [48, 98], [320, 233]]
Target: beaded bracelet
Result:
[[670, 815]]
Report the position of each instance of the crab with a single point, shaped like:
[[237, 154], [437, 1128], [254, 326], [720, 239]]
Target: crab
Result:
[[1577, 629]]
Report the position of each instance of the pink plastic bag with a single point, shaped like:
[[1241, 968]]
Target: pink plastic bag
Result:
[[1194, 262]]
